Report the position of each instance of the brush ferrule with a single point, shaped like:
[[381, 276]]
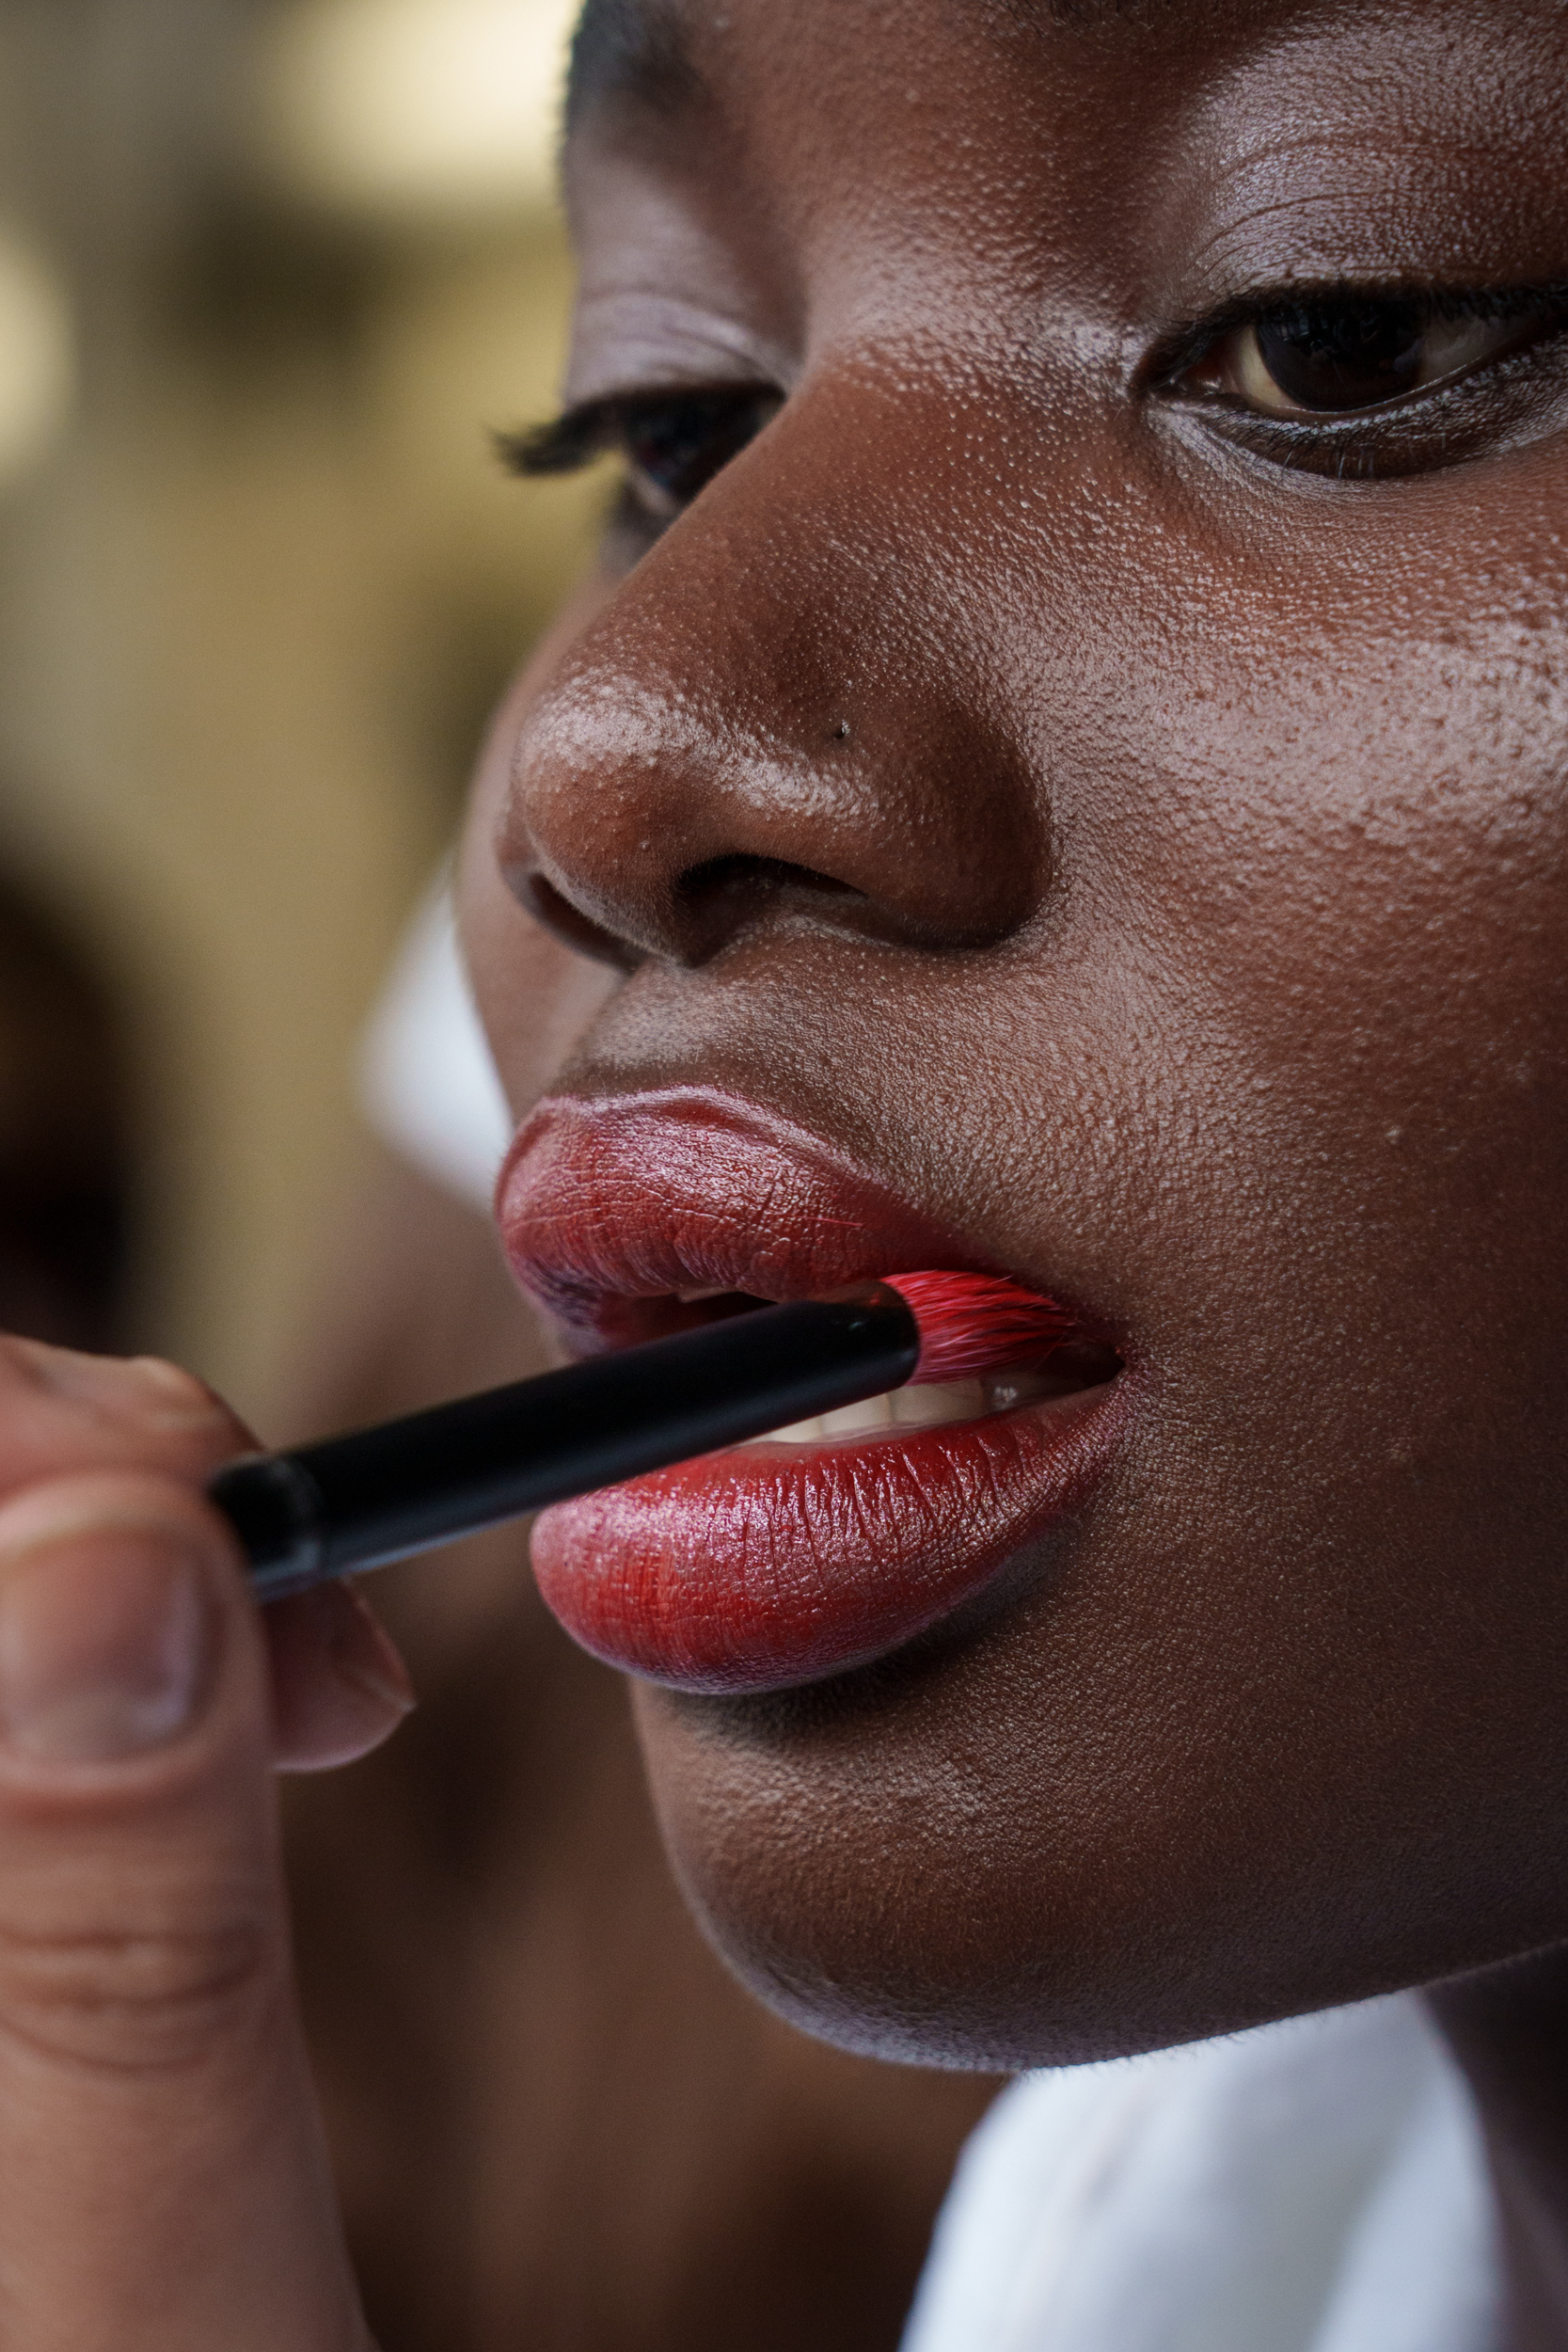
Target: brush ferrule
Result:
[[276, 1508]]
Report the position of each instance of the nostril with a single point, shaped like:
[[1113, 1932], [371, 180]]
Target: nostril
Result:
[[568, 923], [723, 897], [741, 877]]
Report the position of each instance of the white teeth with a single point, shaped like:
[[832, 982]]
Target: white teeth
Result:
[[928, 1407], [858, 1421], [897, 1408], [798, 1433]]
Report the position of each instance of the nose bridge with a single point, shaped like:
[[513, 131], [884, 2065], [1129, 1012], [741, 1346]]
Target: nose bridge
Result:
[[782, 704]]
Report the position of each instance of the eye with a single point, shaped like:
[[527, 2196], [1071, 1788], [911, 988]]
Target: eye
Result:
[[675, 443], [672, 444], [1335, 355]]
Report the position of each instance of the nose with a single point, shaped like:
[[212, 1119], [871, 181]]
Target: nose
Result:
[[783, 714]]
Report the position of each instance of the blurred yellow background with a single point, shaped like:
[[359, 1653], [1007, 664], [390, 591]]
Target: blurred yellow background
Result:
[[269, 275]]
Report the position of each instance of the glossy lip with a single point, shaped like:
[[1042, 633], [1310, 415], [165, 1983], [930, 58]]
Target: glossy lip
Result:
[[762, 1568]]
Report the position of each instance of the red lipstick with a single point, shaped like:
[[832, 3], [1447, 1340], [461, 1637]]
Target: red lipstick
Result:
[[781, 1560]]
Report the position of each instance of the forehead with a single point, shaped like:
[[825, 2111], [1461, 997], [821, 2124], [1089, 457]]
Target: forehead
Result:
[[648, 51], [1093, 109], [657, 55]]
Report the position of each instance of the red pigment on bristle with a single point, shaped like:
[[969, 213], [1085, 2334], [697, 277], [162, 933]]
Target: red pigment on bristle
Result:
[[975, 1323]]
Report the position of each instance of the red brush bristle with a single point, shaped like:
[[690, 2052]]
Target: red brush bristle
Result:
[[975, 1323]]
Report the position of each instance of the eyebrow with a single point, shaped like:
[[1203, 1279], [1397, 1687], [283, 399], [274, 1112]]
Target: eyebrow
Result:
[[629, 50], [636, 50]]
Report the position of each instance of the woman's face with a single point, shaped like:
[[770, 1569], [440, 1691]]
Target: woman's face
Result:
[[1068, 751]]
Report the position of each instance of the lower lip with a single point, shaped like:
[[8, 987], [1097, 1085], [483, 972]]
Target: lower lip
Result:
[[768, 1567]]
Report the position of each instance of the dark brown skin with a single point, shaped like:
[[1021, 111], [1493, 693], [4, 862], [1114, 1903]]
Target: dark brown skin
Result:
[[1181, 917]]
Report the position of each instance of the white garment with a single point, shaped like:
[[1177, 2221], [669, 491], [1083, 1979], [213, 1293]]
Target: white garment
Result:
[[426, 1080], [1313, 2186]]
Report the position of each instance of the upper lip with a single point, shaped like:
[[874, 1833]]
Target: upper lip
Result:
[[612, 1210]]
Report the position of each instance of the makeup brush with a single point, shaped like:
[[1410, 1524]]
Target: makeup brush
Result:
[[359, 1502]]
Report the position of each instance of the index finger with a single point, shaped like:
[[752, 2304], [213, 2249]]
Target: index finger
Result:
[[61, 1411]]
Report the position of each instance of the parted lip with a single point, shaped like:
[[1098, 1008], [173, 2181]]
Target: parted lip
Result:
[[766, 1566], [630, 1217]]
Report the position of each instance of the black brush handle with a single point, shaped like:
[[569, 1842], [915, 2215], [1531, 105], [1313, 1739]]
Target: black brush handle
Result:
[[361, 1500]]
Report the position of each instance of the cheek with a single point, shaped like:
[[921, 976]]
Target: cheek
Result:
[[1279, 1726], [1322, 839]]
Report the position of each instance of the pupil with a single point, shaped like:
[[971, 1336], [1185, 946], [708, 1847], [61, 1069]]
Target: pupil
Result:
[[1343, 355]]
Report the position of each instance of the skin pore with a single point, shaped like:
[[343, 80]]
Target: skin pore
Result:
[[1044, 729]]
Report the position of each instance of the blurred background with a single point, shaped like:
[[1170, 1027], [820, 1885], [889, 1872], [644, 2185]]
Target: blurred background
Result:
[[270, 271]]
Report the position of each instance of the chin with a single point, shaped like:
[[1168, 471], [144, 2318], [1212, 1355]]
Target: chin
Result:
[[1032, 1841], [850, 1855]]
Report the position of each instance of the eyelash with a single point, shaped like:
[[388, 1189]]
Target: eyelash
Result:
[[1384, 437], [1188, 344], [689, 434], [696, 431]]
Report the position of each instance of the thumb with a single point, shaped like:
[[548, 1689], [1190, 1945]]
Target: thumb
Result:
[[163, 2178]]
